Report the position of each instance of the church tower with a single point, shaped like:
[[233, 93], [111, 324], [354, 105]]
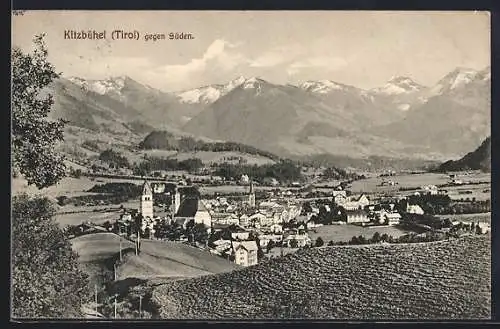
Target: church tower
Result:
[[147, 201], [176, 202], [251, 196]]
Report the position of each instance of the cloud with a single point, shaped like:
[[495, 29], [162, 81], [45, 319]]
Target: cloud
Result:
[[276, 56], [103, 67], [219, 54], [268, 60], [323, 62]]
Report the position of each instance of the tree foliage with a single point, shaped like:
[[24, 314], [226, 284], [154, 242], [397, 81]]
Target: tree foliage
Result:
[[114, 159], [33, 134], [319, 242], [46, 280], [283, 171], [167, 141]]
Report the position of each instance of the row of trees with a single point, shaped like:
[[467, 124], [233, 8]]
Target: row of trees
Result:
[[283, 171], [444, 205], [151, 164], [194, 232], [167, 141], [114, 159], [339, 173]]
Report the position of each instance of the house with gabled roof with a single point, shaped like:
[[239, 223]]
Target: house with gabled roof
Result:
[[354, 202], [245, 252]]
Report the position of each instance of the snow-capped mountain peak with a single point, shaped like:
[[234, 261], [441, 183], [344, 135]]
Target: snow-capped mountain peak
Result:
[[207, 94], [234, 83], [398, 85], [252, 82], [211, 93], [321, 86], [112, 84], [459, 78]]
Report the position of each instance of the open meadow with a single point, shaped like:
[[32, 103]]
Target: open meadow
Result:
[[344, 233], [95, 217], [158, 259], [449, 279], [372, 185], [468, 218]]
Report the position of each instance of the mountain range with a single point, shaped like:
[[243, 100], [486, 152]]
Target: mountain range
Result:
[[479, 159], [401, 119]]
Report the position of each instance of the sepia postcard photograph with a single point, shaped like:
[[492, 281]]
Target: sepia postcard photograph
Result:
[[250, 165]]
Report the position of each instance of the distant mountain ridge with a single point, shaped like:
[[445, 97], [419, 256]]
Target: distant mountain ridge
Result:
[[479, 159], [400, 119]]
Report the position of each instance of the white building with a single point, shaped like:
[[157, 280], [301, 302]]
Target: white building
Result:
[[431, 189], [146, 206], [357, 216], [264, 239], [339, 194], [353, 202], [302, 240], [311, 225], [414, 209], [245, 253], [126, 217], [242, 235], [222, 245], [244, 179], [257, 218], [393, 218], [276, 228]]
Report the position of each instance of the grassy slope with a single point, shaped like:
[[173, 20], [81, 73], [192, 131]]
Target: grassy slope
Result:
[[447, 279], [173, 260], [157, 259]]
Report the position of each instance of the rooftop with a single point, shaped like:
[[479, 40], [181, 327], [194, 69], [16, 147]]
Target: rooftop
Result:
[[247, 245]]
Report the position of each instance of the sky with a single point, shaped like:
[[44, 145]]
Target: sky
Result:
[[363, 49]]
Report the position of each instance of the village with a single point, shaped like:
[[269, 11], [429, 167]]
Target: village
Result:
[[247, 230]]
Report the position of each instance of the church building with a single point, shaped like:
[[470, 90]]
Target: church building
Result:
[[146, 208], [251, 196]]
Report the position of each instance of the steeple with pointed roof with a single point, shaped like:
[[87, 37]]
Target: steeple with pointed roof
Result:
[[147, 201], [146, 189], [251, 195]]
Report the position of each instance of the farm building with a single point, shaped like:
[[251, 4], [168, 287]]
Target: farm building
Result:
[[245, 253]]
